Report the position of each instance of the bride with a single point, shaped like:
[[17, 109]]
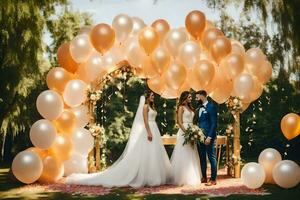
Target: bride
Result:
[[185, 162], [144, 161]]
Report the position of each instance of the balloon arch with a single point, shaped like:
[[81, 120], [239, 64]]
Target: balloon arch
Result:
[[197, 56]]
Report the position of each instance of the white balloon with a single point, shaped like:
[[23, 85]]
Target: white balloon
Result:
[[76, 164], [268, 158], [82, 116], [83, 141], [122, 25], [189, 53], [253, 175], [286, 174], [81, 48], [138, 25], [75, 92], [49, 104], [42, 134]]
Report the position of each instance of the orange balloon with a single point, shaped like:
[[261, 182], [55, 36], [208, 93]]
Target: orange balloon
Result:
[[220, 48], [245, 106], [232, 65], [40, 152], [169, 93], [265, 72], [201, 74], [162, 27], [161, 59], [53, 169], [140, 72], [257, 90], [62, 147], [290, 125], [102, 37], [195, 23], [65, 59], [243, 85], [148, 39], [237, 47], [185, 87], [57, 79], [156, 84], [175, 75], [209, 36], [82, 74], [149, 70], [208, 24], [66, 122]]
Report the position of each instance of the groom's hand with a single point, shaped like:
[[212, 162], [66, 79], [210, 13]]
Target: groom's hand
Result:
[[207, 141]]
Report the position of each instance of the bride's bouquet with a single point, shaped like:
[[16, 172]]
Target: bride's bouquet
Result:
[[193, 135]]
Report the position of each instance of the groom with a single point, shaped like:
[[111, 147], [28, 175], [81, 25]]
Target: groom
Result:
[[206, 118]]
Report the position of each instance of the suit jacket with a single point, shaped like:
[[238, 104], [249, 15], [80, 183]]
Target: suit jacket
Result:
[[208, 120]]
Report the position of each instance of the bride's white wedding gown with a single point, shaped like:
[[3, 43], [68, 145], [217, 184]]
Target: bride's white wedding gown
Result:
[[142, 162], [185, 162]]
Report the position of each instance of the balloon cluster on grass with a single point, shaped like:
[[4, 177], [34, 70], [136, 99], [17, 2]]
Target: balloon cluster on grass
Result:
[[197, 56]]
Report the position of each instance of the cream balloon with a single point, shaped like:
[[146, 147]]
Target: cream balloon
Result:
[[49, 104], [42, 134], [76, 164], [82, 115], [286, 174], [83, 141], [253, 175], [237, 47], [243, 85], [81, 48], [53, 169], [156, 84], [189, 53], [122, 25], [27, 167], [254, 60], [175, 75], [256, 92], [169, 93], [75, 92], [148, 68], [134, 53], [94, 67], [174, 39], [112, 58], [138, 25], [268, 158], [201, 74]]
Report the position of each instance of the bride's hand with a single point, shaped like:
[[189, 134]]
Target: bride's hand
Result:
[[150, 137]]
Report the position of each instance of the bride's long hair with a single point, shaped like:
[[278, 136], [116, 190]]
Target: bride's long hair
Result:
[[184, 95], [147, 96]]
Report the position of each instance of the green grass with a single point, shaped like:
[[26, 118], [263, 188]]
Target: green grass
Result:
[[8, 190]]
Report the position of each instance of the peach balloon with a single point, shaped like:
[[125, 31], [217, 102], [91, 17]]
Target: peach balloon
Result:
[[209, 36], [268, 158], [169, 93], [220, 47], [42, 134], [81, 48], [49, 104], [94, 67], [53, 169], [257, 90], [162, 27], [111, 59], [102, 37], [208, 24], [201, 74], [134, 53], [290, 125], [265, 72], [254, 60], [156, 84], [27, 167], [57, 79], [82, 116], [85, 30], [138, 25], [244, 106], [232, 65], [148, 68], [82, 74], [122, 25], [161, 59], [237, 47], [195, 23], [148, 39], [66, 122], [189, 53], [174, 39], [62, 147], [185, 87], [175, 75], [75, 93], [243, 85], [65, 59]]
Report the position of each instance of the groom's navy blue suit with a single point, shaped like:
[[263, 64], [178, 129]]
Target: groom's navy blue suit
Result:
[[206, 118]]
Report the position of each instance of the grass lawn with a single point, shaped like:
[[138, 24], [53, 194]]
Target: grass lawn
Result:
[[9, 190]]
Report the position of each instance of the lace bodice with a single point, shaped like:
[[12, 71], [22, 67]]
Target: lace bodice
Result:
[[151, 114], [187, 116]]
